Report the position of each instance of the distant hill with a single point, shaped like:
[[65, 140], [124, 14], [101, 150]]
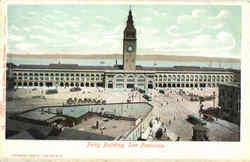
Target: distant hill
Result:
[[138, 57]]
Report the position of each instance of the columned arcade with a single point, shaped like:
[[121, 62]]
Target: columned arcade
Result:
[[120, 79]]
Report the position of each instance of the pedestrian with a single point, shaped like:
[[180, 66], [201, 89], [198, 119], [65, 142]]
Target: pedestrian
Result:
[[169, 122], [101, 131]]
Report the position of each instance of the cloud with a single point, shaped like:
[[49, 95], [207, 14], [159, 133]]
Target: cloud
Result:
[[73, 23], [40, 37], [76, 18], [214, 27], [58, 12], [199, 19], [159, 13], [32, 13], [51, 31], [27, 29], [223, 41], [82, 41], [75, 37], [117, 31], [59, 24], [146, 20], [155, 31], [97, 25], [194, 18], [197, 16], [48, 18], [13, 28], [102, 18], [176, 32], [15, 37], [179, 43], [37, 27], [24, 46], [222, 15]]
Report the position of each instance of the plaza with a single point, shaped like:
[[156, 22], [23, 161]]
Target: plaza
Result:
[[168, 106]]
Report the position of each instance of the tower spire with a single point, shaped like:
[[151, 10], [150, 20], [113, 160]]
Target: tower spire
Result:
[[129, 44], [130, 22]]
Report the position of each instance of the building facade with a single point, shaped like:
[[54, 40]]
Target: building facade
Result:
[[128, 75], [230, 100]]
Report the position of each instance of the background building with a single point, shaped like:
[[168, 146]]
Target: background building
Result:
[[230, 101]]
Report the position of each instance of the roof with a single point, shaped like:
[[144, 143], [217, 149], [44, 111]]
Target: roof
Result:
[[120, 67], [25, 130], [235, 84], [64, 66], [133, 110], [183, 68]]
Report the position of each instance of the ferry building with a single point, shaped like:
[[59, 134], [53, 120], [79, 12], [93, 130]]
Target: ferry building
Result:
[[127, 75]]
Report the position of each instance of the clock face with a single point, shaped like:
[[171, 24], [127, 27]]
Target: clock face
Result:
[[130, 48]]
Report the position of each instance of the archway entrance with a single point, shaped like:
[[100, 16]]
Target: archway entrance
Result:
[[110, 84], [150, 84], [130, 85], [30, 84], [48, 84], [130, 82], [99, 84]]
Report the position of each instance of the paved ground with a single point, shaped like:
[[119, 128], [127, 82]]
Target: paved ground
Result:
[[26, 99], [168, 108], [165, 105], [112, 128]]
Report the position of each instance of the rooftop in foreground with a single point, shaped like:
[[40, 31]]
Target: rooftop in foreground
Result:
[[131, 110]]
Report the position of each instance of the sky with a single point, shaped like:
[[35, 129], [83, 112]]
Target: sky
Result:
[[98, 29]]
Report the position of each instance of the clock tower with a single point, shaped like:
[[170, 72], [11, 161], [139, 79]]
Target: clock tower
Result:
[[129, 45]]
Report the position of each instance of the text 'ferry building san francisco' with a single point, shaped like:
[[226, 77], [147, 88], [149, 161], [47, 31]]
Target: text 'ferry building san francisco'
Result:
[[127, 75]]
